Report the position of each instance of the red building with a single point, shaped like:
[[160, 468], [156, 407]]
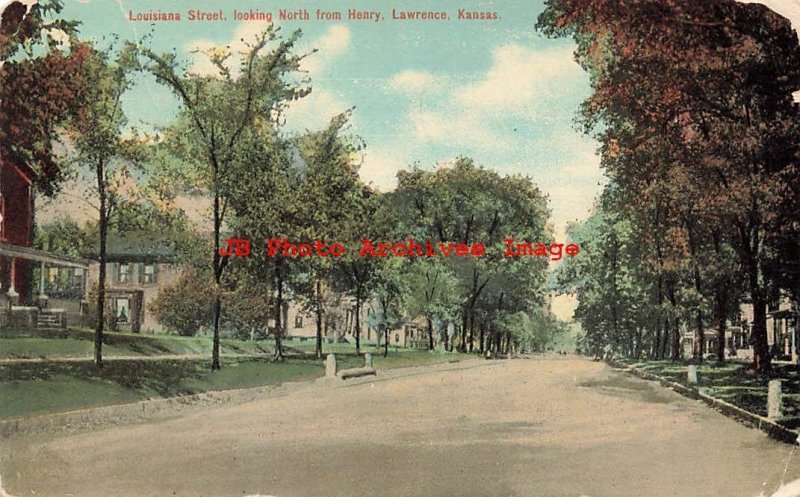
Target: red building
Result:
[[15, 229]]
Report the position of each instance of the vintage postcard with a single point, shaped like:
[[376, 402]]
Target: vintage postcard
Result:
[[447, 248]]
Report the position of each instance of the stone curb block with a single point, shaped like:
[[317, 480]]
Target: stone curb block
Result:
[[768, 426], [356, 373]]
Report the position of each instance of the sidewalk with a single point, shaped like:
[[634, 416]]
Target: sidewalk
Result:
[[181, 357]]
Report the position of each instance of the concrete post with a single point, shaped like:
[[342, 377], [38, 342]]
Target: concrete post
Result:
[[330, 366], [367, 360], [774, 400], [691, 375]]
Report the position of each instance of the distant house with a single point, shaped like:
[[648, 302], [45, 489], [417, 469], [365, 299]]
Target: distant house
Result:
[[783, 332], [783, 336], [137, 265], [339, 323]]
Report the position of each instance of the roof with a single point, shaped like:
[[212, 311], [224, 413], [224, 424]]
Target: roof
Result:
[[137, 247], [24, 172], [31, 254]]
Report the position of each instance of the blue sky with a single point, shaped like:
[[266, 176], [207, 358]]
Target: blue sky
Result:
[[423, 91]]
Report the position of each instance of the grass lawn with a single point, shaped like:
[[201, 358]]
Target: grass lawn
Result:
[[737, 384], [46, 387], [76, 342], [56, 387]]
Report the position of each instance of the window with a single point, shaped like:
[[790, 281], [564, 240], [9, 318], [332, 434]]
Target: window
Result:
[[298, 321], [124, 272], [149, 274]]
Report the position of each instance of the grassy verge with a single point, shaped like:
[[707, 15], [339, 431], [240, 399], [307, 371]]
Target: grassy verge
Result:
[[737, 384], [80, 343], [49, 387], [27, 389]]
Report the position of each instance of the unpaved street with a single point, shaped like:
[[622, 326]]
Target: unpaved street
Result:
[[538, 427]]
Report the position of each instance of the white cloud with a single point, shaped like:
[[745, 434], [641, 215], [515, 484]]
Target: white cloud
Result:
[[415, 81], [243, 38], [468, 131], [334, 43], [380, 168], [315, 110], [519, 78]]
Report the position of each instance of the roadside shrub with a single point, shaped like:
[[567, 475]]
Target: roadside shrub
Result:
[[185, 306]]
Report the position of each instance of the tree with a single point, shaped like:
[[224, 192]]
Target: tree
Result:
[[389, 287], [183, 305], [467, 203], [97, 132], [217, 111], [41, 82], [354, 272], [672, 83], [329, 195], [262, 166]]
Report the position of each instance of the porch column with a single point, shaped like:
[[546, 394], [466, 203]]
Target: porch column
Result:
[[12, 292], [41, 281]]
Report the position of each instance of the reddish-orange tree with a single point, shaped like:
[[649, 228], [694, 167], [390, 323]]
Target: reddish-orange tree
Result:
[[40, 86], [692, 104]]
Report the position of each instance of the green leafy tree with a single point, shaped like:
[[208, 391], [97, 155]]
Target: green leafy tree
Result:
[[329, 194], [217, 113], [183, 305], [101, 149]]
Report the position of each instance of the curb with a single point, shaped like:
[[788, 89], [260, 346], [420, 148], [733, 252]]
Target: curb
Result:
[[148, 410], [138, 411], [771, 428]]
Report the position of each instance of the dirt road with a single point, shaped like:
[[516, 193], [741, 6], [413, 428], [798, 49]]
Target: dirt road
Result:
[[547, 427]]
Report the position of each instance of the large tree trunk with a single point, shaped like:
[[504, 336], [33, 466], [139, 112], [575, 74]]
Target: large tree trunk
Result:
[[278, 311], [430, 333], [217, 268], [358, 318], [699, 337], [465, 317], [677, 353], [216, 310], [471, 329], [657, 350], [481, 337], [699, 332], [101, 283], [721, 312], [318, 302], [761, 356], [385, 306]]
